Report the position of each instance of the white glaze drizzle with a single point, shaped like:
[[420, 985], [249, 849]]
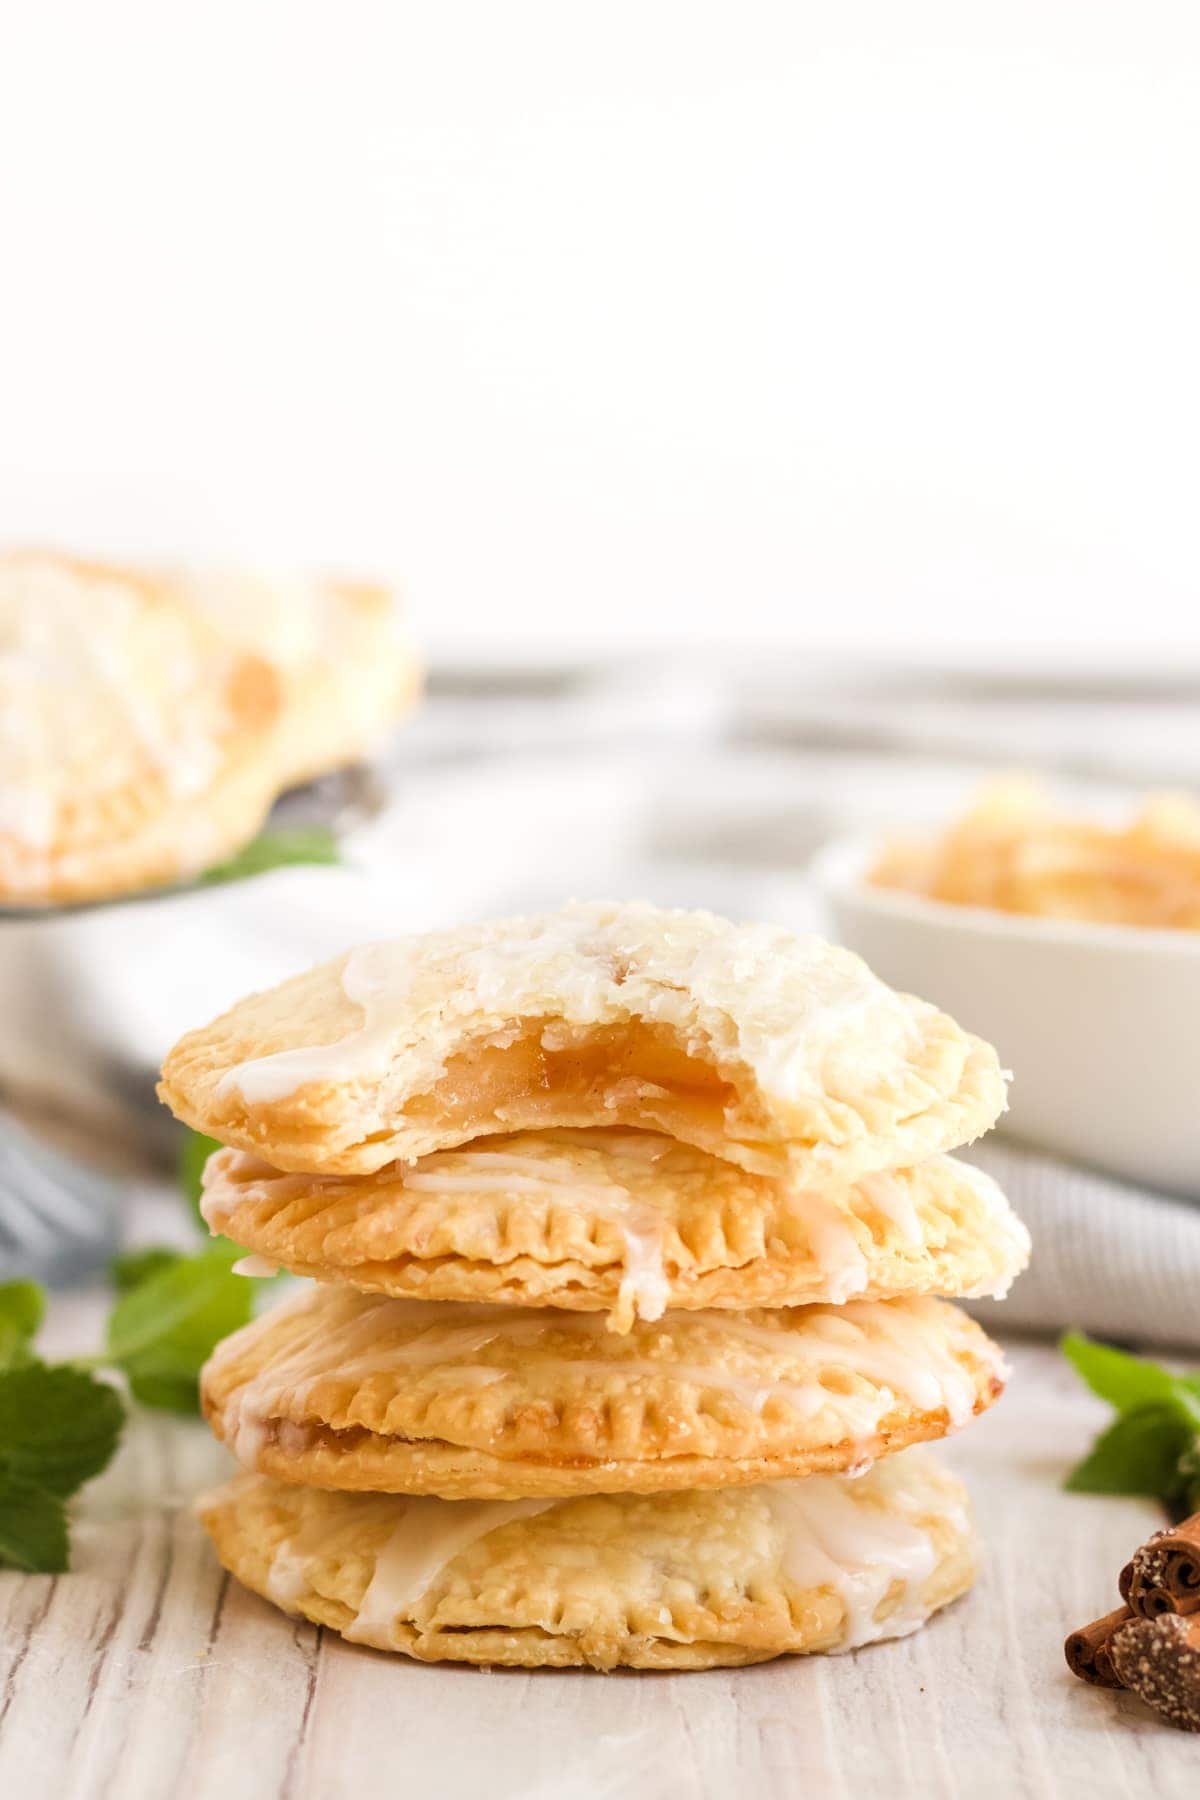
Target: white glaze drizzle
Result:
[[834, 1247], [644, 1287], [373, 978], [428, 1535], [257, 1268], [834, 1538], [894, 1200]]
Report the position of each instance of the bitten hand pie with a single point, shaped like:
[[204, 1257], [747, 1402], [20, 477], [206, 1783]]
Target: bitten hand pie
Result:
[[356, 1391], [784, 1055], [346, 668], [631, 1223], [134, 743], [677, 1581]]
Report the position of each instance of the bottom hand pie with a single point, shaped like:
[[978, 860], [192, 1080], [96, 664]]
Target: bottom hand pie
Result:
[[677, 1581], [337, 1389]]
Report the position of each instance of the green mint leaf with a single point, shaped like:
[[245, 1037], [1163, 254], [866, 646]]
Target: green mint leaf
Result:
[[1124, 1381], [58, 1426], [22, 1308], [169, 1298], [277, 850], [193, 1154], [1140, 1453], [23, 1305], [163, 1331], [1131, 1382], [135, 1266], [33, 1528], [166, 1392]]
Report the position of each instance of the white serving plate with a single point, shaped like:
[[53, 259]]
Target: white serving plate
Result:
[[1100, 1024]]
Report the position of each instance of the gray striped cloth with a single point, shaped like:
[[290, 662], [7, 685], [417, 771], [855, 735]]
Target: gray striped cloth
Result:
[[1119, 1262]]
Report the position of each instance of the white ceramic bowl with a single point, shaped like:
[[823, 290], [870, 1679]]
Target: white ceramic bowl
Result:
[[1100, 1024]]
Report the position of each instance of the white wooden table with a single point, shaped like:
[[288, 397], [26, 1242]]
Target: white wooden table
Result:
[[146, 1674]]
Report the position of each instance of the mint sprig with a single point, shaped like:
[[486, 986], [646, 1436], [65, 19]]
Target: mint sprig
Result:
[[22, 1309], [60, 1423], [132, 1267], [162, 1330], [277, 850], [1153, 1446], [34, 1536], [58, 1428]]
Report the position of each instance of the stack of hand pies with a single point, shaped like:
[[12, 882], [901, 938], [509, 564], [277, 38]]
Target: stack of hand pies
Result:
[[625, 1229]]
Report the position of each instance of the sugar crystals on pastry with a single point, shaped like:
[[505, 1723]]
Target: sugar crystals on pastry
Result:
[[357, 1391], [625, 1222], [693, 1580], [780, 1053]]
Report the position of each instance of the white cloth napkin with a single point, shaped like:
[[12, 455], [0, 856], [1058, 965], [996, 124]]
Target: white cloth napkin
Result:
[[1113, 1260]]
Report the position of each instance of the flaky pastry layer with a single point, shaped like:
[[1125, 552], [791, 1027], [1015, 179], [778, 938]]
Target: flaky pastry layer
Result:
[[630, 1223], [785, 1055], [679, 1581], [339, 1389]]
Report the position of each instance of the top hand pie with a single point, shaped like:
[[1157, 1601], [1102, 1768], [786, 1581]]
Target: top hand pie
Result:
[[779, 1053]]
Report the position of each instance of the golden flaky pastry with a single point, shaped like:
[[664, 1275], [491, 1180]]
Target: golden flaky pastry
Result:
[[135, 745], [339, 1389], [677, 1581], [346, 666], [1014, 851], [630, 1223], [779, 1053]]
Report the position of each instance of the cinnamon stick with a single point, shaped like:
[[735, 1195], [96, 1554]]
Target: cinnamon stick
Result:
[[1089, 1650], [1158, 1659], [1164, 1575]]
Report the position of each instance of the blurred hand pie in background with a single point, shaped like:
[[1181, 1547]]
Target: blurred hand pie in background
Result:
[[339, 650], [148, 720]]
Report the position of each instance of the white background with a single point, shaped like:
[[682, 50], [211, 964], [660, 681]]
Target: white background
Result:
[[852, 323]]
